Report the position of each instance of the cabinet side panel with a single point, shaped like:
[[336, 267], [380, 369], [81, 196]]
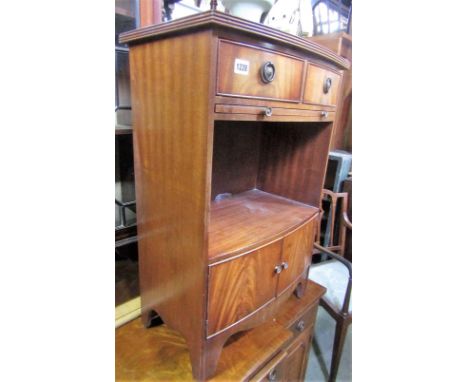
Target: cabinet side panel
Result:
[[172, 146], [236, 152], [293, 160]]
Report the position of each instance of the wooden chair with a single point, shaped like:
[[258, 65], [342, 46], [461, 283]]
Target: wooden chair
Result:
[[329, 241], [336, 276]]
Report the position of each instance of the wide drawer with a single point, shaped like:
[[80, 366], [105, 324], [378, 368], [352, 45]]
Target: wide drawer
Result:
[[240, 67], [321, 86]]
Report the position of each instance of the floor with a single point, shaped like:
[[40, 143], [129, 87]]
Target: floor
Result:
[[321, 351]]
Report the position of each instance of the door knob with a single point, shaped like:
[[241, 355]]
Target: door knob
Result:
[[284, 265], [268, 111], [272, 375], [278, 268], [267, 72], [300, 326]]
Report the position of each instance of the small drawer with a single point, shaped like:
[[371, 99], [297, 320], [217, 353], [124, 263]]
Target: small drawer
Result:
[[305, 321], [275, 370], [245, 71], [321, 86]]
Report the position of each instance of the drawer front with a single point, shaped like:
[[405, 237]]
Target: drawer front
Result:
[[275, 370], [239, 73], [321, 86], [304, 322], [240, 286], [297, 252]]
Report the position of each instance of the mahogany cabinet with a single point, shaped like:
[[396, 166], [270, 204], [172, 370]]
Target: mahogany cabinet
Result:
[[276, 350], [232, 123]]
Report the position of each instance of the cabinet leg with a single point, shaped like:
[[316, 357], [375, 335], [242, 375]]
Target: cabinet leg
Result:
[[150, 318], [300, 290], [204, 363]]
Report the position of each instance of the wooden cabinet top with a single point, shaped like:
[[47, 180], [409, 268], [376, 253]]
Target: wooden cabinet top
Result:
[[222, 21], [254, 218]]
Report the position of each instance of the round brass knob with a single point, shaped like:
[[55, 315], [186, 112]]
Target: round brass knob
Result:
[[272, 375], [267, 72], [327, 85], [300, 326]]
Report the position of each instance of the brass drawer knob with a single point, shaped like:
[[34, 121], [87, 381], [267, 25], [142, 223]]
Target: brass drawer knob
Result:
[[300, 326], [327, 85], [267, 72], [272, 375]]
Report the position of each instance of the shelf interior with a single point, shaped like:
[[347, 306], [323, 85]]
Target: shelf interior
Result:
[[250, 219]]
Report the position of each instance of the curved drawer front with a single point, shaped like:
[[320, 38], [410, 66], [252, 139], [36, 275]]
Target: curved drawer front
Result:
[[321, 86], [240, 286], [239, 73]]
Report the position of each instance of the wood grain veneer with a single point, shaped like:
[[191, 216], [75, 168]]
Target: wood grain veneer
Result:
[[259, 103], [161, 354], [251, 219], [294, 166], [236, 155], [287, 84], [276, 366], [234, 110], [341, 43], [313, 91], [297, 356], [241, 286], [297, 248], [215, 19], [172, 143]]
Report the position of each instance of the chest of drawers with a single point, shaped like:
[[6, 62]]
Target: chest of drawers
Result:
[[232, 123]]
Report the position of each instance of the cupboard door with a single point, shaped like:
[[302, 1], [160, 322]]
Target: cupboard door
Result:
[[240, 286], [297, 252]]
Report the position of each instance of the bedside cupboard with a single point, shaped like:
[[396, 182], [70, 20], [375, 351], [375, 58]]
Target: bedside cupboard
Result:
[[232, 123]]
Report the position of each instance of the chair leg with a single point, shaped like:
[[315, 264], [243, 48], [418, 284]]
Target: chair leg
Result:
[[338, 342]]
